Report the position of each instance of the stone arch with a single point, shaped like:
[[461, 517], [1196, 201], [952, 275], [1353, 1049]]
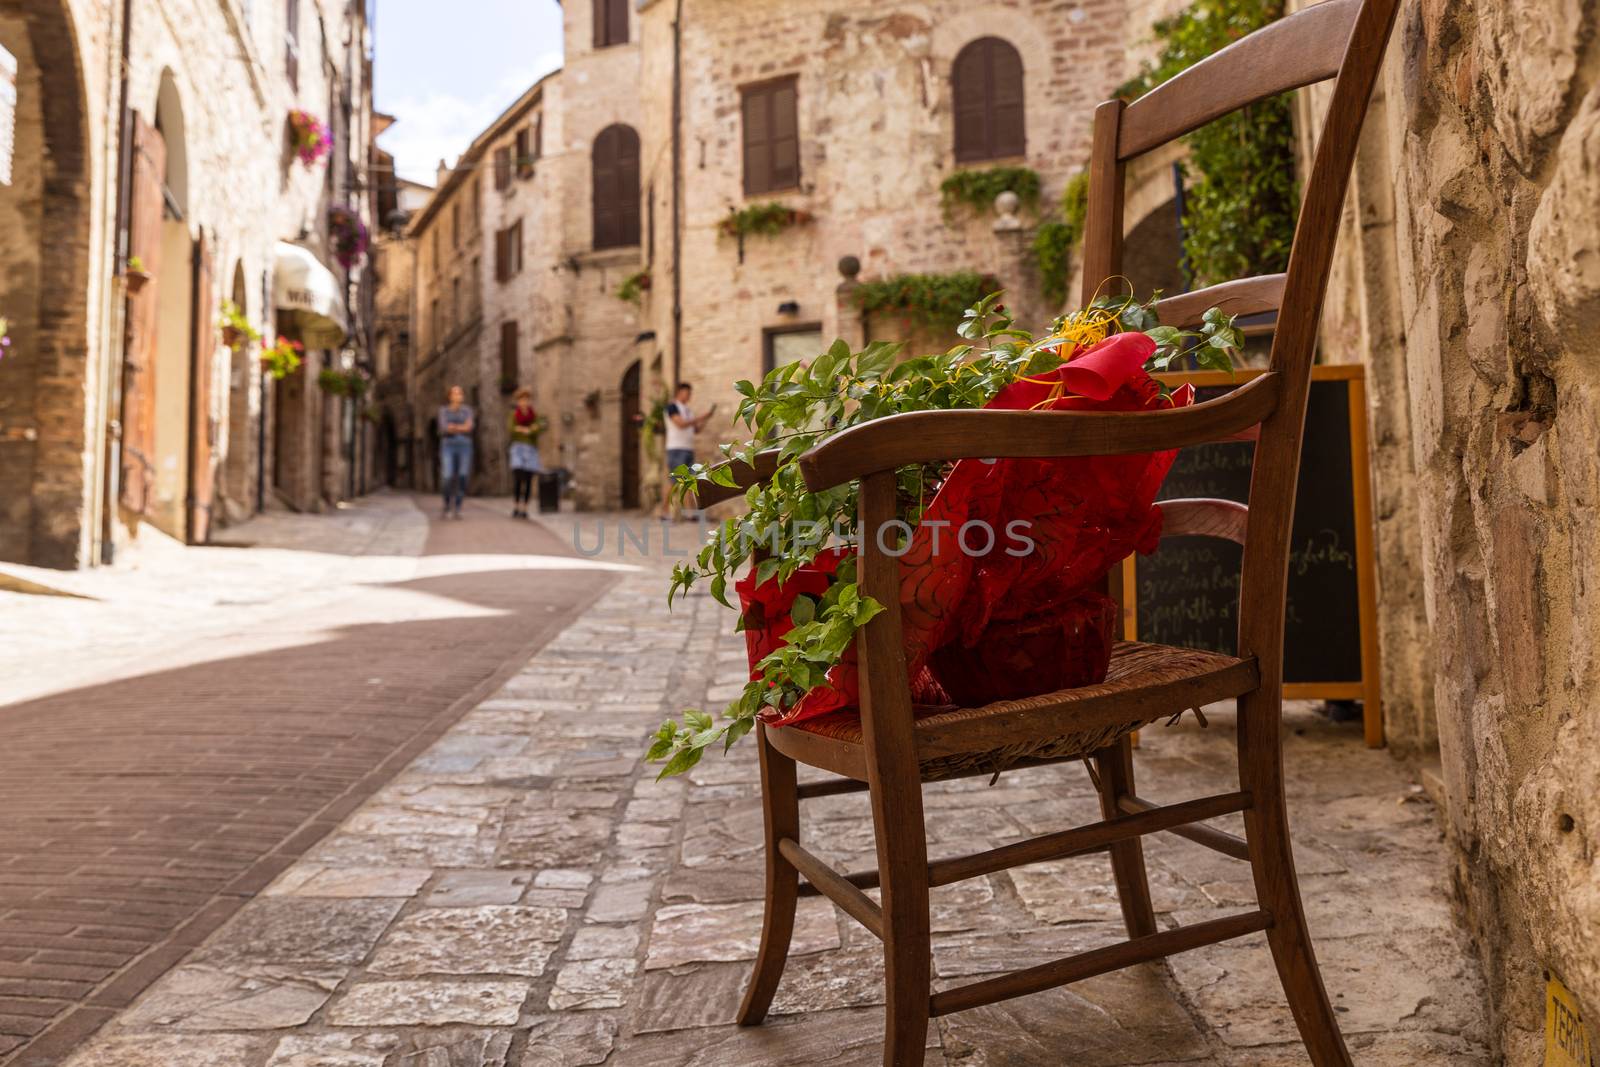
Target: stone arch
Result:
[[45, 499]]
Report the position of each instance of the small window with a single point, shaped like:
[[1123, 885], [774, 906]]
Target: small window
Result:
[[435, 323], [455, 225], [610, 23], [477, 203], [509, 371], [455, 302], [616, 187], [477, 283], [502, 167], [789, 344], [987, 85], [525, 152], [771, 137], [508, 252], [291, 43]]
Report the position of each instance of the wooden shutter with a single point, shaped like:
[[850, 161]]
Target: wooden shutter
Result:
[[502, 167], [525, 152], [501, 267], [139, 363], [202, 431], [514, 249], [610, 23], [986, 84], [616, 187], [771, 137], [291, 42], [509, 370]]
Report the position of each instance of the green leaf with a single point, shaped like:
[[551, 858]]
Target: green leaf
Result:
[[803, 611], [682, 761]]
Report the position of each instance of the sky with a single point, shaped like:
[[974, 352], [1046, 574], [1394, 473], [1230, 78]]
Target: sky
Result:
[[446, 68]]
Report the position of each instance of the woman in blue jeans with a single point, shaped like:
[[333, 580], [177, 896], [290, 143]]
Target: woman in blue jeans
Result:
[[456, 422]]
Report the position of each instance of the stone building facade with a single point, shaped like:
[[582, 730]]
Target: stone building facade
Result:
[[869, 95], [121, 410], [545, 270]]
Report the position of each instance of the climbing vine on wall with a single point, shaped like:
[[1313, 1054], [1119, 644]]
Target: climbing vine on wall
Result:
[[933, 299], [976, 189], [1057, 239], [1242, 198]]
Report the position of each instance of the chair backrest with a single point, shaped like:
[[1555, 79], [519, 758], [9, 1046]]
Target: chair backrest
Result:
[[1340, 39]]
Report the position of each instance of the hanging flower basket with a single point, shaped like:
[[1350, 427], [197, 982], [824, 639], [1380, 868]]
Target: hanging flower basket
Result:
[[236, 329], [281, 359], [134, 276], [347, 234], [309, 136]]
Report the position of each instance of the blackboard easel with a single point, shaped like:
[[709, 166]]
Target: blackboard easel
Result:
[[1333, 655]]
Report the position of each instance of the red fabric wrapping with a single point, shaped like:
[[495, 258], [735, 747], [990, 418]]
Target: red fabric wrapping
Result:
[[996, 600]]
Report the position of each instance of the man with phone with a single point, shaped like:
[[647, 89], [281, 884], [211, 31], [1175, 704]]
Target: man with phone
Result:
[[682, 425]]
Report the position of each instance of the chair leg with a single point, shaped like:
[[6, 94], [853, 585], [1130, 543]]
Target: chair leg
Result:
[[1277, 888], [903, 864], [781, 815], [1114, 764]]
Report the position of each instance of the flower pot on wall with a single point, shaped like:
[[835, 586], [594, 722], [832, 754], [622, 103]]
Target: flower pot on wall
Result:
[[135, 280]]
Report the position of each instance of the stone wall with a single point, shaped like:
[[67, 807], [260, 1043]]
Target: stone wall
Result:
[[876, 140], [1470, 287]]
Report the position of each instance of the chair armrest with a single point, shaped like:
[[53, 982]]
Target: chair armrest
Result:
[[708, 492], [1204, 517], [936, 436], [1246, 296]]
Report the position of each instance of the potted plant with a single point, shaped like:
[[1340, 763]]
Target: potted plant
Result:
[[236, 329], [964, 610], [633, 288], [347, 234], [309, 137], [134, 276], [281, 358]]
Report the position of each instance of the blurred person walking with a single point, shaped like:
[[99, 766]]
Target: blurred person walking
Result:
[[456, 423], [524, 425]]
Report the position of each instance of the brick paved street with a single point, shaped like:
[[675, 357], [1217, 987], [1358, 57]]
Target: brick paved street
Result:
[[180, 742], [524, 894]]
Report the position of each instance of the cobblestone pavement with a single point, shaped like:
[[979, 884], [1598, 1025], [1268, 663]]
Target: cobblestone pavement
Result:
[[173, 745], [524, 894]]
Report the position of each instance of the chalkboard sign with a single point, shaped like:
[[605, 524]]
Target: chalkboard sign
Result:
[[1188, 592]]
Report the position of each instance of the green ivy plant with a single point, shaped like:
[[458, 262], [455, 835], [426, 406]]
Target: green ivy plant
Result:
[[352, 384], [800, 405], [932, 299], [633, 287], [1240, 209], [976, 189], [1056, 240], [767, 218]]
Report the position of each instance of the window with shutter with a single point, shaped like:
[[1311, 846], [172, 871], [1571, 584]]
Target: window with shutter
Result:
[[986, 83], [455, 225], [610, 23], [771, 137], [502, 167], [509, 371], [525, 152], [616, 187], [291, 43], [514, 251]]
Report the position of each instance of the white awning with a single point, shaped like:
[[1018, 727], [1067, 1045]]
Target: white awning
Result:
[[301, 284]]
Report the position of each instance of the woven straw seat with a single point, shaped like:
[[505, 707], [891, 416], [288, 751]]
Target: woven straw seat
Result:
[[1145, 683]]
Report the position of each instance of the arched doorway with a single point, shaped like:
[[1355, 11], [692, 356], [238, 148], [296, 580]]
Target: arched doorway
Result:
[[46, 503], [629, 404]]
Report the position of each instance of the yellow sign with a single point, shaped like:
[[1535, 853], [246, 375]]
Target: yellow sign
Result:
[[1566, 1041]]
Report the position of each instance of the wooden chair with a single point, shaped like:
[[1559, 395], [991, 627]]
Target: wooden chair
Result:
[[890, 752]]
